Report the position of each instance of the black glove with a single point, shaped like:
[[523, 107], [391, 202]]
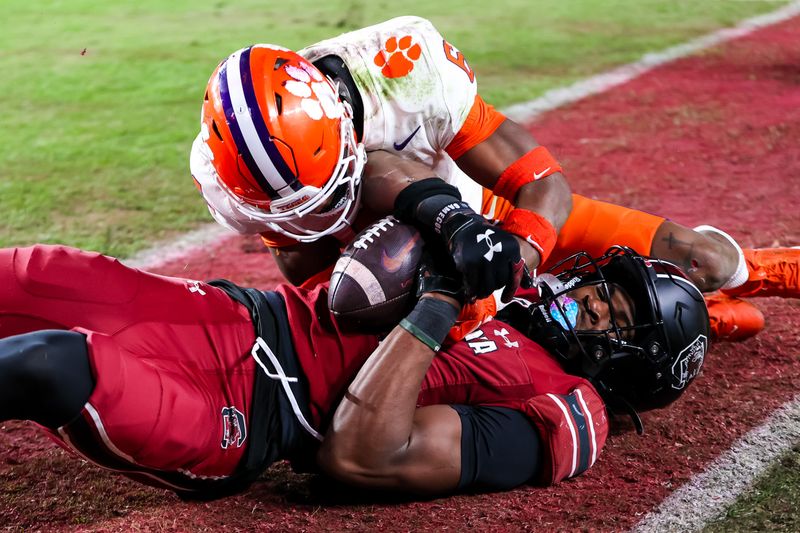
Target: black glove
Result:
[[437, 273], [487, 257]]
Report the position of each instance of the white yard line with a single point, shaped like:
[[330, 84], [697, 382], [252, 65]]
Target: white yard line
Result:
[[709, 493], [602, 82], [194, 241]]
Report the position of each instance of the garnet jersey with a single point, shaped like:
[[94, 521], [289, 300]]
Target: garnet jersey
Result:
[[417, 91], [494, 365], [174, 363]]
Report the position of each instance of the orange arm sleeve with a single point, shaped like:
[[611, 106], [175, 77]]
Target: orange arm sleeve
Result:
[[481, 122]]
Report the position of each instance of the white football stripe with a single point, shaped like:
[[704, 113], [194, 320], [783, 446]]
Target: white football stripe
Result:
[[367, 281], [708, 494], [590, 423]]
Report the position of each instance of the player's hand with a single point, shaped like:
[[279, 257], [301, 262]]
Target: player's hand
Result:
[[439, 277], [486, 256]]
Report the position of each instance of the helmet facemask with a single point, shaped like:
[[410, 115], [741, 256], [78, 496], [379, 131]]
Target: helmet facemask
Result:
[[312, 212], [284, 144], [643, 365]]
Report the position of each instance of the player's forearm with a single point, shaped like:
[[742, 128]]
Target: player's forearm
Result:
[[385, 176], [373, 423], [371, 431], [550, 197]]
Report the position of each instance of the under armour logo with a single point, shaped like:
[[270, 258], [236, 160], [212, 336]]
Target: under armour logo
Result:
[[194, 286], [492, 246], [504, 333]]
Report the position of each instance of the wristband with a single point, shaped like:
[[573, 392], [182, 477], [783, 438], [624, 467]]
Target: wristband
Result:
[[536, 164], [534, 228], [407, 202], [430, 321]]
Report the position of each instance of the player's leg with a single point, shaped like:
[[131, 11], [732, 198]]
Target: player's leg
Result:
[[57, 287], [710, 258], [166, 423], [771, 272], [44, 377]]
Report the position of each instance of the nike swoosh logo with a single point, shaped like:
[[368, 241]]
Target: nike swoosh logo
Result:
[[540, 174], [400, 146], [395, 261]]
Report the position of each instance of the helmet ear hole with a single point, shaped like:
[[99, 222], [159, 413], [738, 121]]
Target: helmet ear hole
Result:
[[279, 62], [279, 103], [216, 130]]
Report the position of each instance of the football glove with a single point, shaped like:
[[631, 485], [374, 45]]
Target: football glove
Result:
[[487, 257]]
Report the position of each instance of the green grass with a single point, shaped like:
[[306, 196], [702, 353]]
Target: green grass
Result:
[[94, 146], [772, 505]]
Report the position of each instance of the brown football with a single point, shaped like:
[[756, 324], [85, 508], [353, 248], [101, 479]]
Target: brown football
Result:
[[373, 283]]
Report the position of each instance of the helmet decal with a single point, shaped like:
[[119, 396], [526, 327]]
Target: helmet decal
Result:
[[318, 96], [250, 133], [688, 364]]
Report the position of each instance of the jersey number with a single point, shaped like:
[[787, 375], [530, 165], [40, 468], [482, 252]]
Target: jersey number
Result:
[[457, 58], [480, 343]]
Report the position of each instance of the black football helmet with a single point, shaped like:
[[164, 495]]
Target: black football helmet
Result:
[[639, 366]]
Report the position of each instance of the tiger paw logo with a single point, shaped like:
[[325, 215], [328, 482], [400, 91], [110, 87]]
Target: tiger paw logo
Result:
[[397, 57], [318, 96]]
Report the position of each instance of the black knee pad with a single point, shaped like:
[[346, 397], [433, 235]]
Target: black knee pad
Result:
[[45, 376]]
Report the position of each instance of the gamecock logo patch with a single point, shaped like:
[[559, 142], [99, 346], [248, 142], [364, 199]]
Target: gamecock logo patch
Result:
[[234, 428], [689, 362]]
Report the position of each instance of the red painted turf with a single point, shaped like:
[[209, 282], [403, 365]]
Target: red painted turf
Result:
[[710, 139]]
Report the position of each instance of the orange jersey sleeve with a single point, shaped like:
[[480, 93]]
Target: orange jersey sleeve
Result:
[[481, 122], [592, 226], [274, 239]]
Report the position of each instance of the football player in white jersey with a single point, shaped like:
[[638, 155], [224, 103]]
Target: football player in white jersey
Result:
[[303, 148]]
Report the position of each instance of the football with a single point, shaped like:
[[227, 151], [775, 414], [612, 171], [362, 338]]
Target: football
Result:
[[373, 282]]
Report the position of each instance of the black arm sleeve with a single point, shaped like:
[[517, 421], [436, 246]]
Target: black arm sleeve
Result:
[[500, 448]]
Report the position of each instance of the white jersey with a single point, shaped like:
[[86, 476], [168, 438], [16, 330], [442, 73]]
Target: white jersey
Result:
[[412, 107], [417, 91]]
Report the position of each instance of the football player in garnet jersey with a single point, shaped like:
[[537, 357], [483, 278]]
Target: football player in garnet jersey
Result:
[[198, 387], [304, 147]]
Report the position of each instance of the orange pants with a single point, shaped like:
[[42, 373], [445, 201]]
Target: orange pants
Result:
[[593, 226]]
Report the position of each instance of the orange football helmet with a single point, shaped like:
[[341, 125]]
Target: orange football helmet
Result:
[[283, 142]]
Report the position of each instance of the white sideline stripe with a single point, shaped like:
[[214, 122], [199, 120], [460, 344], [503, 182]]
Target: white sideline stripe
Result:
[[602, 82], [708, 494], [211, 234], [165, 252]]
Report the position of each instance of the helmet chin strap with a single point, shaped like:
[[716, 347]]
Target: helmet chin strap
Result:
[[617, 403]]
